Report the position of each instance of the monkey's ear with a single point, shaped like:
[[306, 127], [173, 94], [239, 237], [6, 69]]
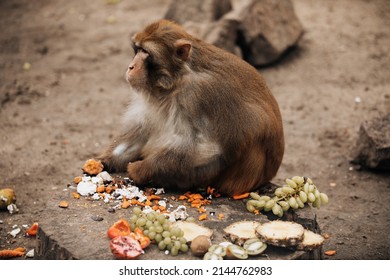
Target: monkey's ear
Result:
[[183, 49]]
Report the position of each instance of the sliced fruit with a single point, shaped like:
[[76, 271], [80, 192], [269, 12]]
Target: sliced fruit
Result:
[[125, 248], [241, 231], [236, 252], [310, 241], [192, 230], [120, 228], [254, 246], [280, 233]]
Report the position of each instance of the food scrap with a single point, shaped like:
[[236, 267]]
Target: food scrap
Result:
[[63, 204], [33, 230], [125, 248], [7, 197], [240, 196], [93, 167], [120, 228], [8, 254], [330, 252]]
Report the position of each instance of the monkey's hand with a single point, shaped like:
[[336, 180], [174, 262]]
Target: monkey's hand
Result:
[[138, 172]]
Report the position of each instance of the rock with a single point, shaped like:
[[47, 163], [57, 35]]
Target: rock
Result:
[[222, 33], [260, 31], [197, 10], [373, 145], [267, 29]]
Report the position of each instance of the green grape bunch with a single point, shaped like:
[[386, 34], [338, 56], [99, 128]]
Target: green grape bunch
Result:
[[294, 194], [159, 229]]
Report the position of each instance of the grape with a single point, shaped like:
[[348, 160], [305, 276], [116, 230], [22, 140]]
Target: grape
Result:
[[324, 198], [152, 235], [311, 188], [284, 204], [291, 183], [293, 203], [303, 196], [317, 203], [152, 228], [166, 226], [177, 244], [150, 216], [299, 202], [260, 204], [133, 219], [288, 190], [137, 210], [250, 207], [306, 188], [159, 229], [298, 180], [255, 195], [167, 240], [132, 226], [141, 222], [174, 251], [252, 202], [148, 223], [161, 219], [175, 231], [265, 198], [146, 232], [279, 192], [166, 234], [276, 209], [184, 248], [317, 194], [162, 245], [183, 240], [268, 206], [158, 237], [311, 197]]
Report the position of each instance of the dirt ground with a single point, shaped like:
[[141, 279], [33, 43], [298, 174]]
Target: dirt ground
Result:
[[64, 109]]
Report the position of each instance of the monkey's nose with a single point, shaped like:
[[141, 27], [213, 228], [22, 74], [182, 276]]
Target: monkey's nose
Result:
[[131, 67]]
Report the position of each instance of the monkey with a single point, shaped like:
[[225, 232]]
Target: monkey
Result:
[[198, 116]]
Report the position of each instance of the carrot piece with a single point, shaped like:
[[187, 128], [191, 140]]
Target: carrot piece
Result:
[[63, 204], [240, 196], [126, 204], [202, 217], [100, 189], [154, 197], [330, 253], [221, 216], [148, 203], [202, 210], [155, 207], [75, 195], [32, 231], [7, 254]]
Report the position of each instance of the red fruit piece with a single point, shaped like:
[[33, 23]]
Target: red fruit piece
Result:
[[125, 248]]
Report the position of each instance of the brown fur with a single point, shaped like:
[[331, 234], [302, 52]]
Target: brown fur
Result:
[[198, 116]]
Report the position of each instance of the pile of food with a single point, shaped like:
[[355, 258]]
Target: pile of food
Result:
[[155, 221]]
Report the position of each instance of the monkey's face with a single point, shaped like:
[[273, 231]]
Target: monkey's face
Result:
[[160, 56], [136, 74]]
